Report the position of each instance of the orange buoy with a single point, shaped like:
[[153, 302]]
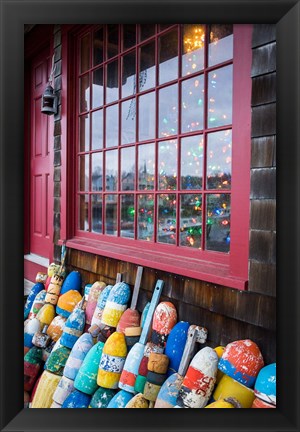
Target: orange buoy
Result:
[[67, 302], [55, 328]]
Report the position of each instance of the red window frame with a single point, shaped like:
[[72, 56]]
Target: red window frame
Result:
[[220, 268]]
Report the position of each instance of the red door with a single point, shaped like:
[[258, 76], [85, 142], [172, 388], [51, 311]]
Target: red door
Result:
[[41, 131]]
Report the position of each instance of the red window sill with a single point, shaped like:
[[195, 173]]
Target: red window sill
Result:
[[192, 268]]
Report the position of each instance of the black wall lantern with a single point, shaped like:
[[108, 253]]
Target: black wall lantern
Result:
[[49, 101]]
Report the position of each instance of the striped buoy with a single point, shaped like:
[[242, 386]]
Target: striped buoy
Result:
[[120, 400], [67, 302], [79, 351], [94, 294], [46, 314], [57, 360], [64, 388], [33, 361], [102, 397], [38, 303], [157, 367], [228, 387], [74, 326], [77, 399], [52, 269], [112, 361], [30, 299], [86, 378], [132, 336], [199, 381], [130, 318], [45, 389], [56, 327], [116, 304], [175, 345], [30, 329], [138, 401], [72, 282], [87, 289], [164, 319], [265, 384], [54, 289], [242, 360], [97, 315]]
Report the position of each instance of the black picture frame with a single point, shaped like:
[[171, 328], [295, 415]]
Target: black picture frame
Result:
[[14, 14]]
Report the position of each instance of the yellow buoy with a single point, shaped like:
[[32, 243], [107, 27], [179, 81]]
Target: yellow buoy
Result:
[[228, 387], [225, 403], [45, 390], [112, 361], [46, 314]]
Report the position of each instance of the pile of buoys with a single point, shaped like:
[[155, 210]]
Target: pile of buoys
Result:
[[95, 350]]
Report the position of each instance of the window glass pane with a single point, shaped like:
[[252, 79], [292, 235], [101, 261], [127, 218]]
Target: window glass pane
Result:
[[164, 26], [111, 214], [128, 134], [167, 165], [191, 162], [112, 82], [168, 110], [112, 126], [98, 46], [97, 130], [191, 220], [83, 212], [84, 173], [218, 222], [111, 170], [127, 168], [146, 166], [219, 147], [85, 47], [145, 217], [192, 97], [220, 43], [84, 133], [84, 86], [127, 216], [193, 48], [147, 116], [147, 66], [129, 36], [166, 232], [97, 213], [98, 88], [128, 75], [97, 171], [112, 40], [168, 57], [220, 97], [146, 31]]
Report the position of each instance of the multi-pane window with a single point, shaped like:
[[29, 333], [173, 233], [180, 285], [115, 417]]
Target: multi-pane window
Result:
[[154, 134]]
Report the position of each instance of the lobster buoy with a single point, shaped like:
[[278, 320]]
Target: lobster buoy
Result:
[[265, 384], [46, 314], [116, 304], [87, 289], [77, 399], [67, 302], [57, 360], [228, 387], [175, 345], [56, 327], [132, 336], [112, 361], [131, 367], [30, 299], [98, 311], [38, 303], [141, 378], [102, 397], [86, 379], [30, 329], [54, 289], [130, 318], [41, 277], [120, 400], [79, 351], [33, 361], [41, 339], [94, 294], [45, 389], [72, 282], [138, 401], [242, 360], [64, 388], [52, 269], [164, 319], [199, 381], [74, 326]]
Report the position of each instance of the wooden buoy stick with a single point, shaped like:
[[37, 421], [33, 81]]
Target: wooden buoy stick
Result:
[[119, 278], [154, 302], [136, 288], [195, 334]]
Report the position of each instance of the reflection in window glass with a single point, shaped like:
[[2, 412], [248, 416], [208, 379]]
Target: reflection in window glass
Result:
[[128, 168], [168, 57], [218, 222], [193, 48], [112, 40], [166, 219], [145, 216], [111, 170], [97, 130], [112, 126], [167, 165], [98, 88], [84, 212], [97, 171], [192, 102], [85, 53], [147, 66], [128, 75], [84, 173], [146, 166], [219, 148], [84, 85], [191, 162], [111, 214], [129, 36], [146, 31], [191, 220], [220, 97], [168, 110], [128, 133], [220, 43], [147, 116], [97, 213], [98, 47], [112, 82], [84, 133], [127, 216]]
